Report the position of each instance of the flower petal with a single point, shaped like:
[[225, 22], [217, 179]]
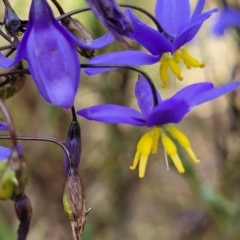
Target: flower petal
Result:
[[144, 95], [191, 29], [6, 62], [214, 93], [129, 58], [110, 113], [172, 15], [229, 17], [4, 153], [148, 37], [168, 111], [52, 59], [4, 127], [192, 91], [95, 44], [199, 7]]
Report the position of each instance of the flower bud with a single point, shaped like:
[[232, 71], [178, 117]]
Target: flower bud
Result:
[[11, 21], [74, 145], [12, 84], [73, 198], [112, 17], [23, 209], [74, 202], [81, 33]]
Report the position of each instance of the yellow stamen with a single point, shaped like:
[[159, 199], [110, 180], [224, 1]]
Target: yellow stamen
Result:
[[172, 152], [175, 69], [156, 134], [189, 61], [183, 141], [144, 148], [163, 70], [176, 56], [142, 166], [135, 160]]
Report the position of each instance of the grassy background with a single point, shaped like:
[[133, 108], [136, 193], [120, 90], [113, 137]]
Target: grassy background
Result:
[[201, 204]]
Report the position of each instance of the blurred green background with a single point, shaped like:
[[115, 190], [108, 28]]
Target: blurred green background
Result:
[[201, 204]]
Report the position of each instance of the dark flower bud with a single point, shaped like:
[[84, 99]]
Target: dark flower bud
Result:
[[74, 145], [112, 17], [11, 21], [81, 33], [12, 84], [74, 202], [23, 209]]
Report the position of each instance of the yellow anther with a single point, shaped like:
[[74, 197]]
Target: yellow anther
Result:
[[145, 144], [135, 160], [172, 152], [156, 134], [144, 148], [175, 69], [183, 141], [190, 61], [176, 56], [142, 166], [178, 164], [163, 71]]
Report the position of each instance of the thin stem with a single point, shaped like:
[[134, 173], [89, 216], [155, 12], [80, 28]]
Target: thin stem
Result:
[[58, 6], [81, 10], [43, 139], [158, 25], [9, 121], [18, 71], [5, 47], [74, 115], [10, 52], [224, 3], [6, 3], [154, 91], [7, 38]]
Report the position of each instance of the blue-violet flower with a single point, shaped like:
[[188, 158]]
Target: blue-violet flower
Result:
[[229, 17], [179, 28], [51, 55], [159, 118]]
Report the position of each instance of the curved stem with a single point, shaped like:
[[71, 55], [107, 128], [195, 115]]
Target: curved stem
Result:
[[58, 6], [81, 10], [43, 139], [9, 121], [154, 91]]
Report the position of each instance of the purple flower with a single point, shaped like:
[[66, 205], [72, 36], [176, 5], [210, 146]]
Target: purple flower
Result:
[[51, 55], [179, 28], [112, 17], [4, 151], [159, 118], [229, 17]]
